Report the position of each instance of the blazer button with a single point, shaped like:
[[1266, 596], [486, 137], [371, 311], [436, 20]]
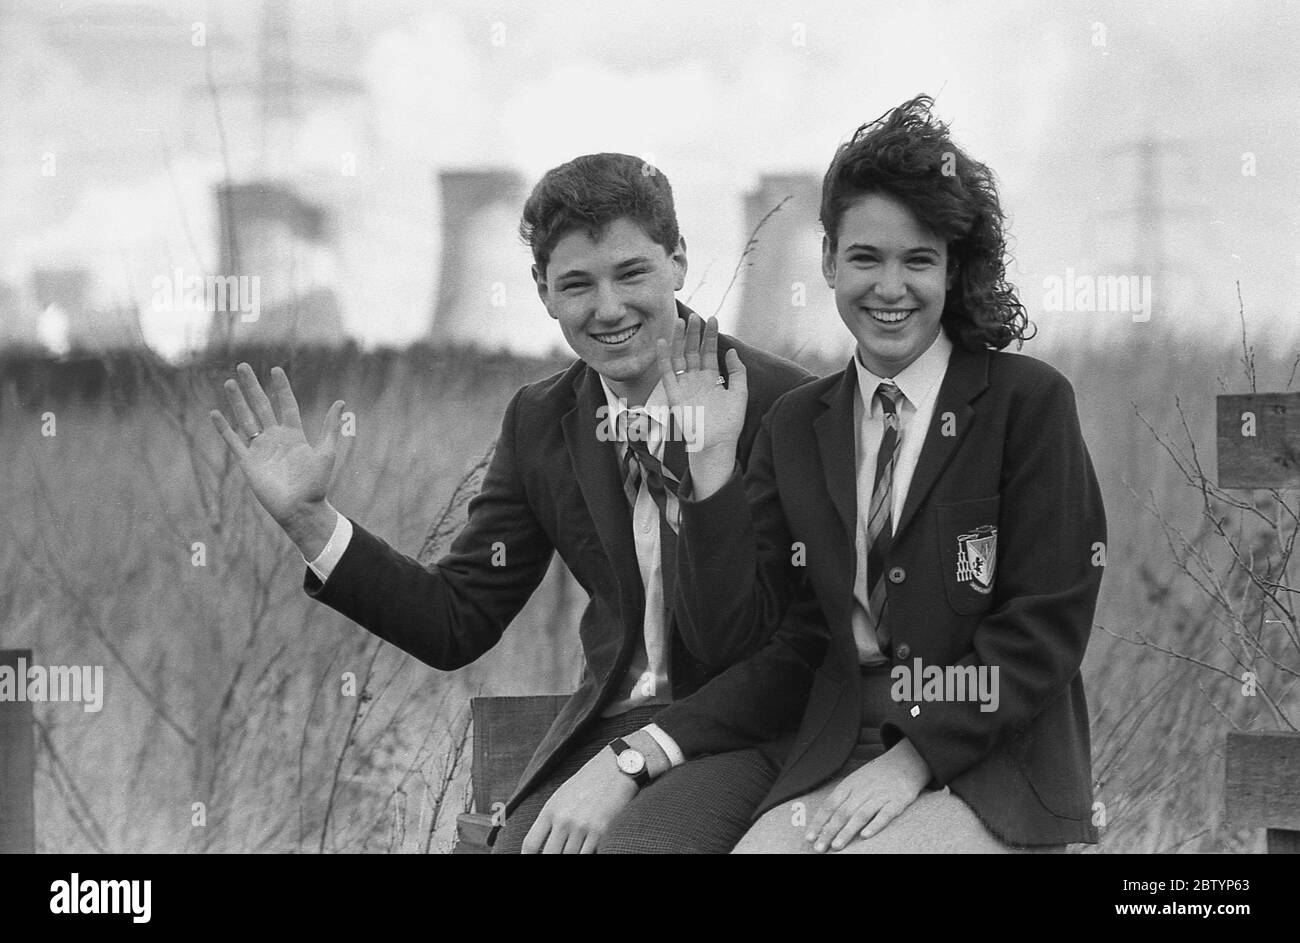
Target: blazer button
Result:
[[902, 651], [897, 574]]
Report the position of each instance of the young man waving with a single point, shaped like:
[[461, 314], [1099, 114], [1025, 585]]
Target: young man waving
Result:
[[655, 751]]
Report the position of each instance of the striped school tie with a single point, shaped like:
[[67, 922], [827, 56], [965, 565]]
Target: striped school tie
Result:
[[661, 478], [880, 520]]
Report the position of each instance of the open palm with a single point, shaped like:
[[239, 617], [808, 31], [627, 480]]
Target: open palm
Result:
[[692, 383], [285, 472]]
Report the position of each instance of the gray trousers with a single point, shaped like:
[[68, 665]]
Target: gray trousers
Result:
[[701, 807]]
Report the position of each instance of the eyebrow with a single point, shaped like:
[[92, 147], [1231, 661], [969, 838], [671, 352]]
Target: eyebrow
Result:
[[871, 248], [582, 273]]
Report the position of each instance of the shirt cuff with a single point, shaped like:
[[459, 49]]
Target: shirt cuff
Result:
[[667, 744], [324, 564]]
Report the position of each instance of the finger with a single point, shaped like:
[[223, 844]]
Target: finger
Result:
[[589, 845], [244, 417], [863, 814], [537, 835], [694, 330], [709, 353], [887, 814], [255, 395], [737, 379], [824, 813], [555, 841], [286, 404], [666, 373], [832, 828], [573, 844], [230, 435], [329, 431], [679, 346]]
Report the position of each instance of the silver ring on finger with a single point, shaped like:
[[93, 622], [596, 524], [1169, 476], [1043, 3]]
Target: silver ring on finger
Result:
[[678, 373], [254, 436], [720, 381]]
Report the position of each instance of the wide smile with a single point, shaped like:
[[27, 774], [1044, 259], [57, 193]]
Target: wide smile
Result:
[[890, 317], [615, 338]]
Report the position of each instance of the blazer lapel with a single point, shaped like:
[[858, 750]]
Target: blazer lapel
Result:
[[835, 441], [837, 445], [595, 467], [966, 378]]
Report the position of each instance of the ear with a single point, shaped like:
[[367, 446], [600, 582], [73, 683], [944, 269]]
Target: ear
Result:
[[678, 259], [539, 279], [828, 261]]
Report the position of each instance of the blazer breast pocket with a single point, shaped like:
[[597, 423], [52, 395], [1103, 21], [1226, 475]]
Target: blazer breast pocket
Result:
[[968, 552]]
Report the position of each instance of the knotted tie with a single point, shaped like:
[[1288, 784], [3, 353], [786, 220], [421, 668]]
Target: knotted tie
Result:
[[880, 519], [662, 480]]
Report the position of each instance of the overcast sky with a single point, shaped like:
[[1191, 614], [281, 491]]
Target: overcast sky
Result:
[[1052, 96]]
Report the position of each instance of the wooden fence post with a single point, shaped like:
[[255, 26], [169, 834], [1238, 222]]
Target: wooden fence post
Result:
[[1263, 786], [17, 761], [507, 731], [1259, 447], [1258, 440]]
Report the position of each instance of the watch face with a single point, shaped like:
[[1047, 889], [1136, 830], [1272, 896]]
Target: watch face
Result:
[[631, 762]]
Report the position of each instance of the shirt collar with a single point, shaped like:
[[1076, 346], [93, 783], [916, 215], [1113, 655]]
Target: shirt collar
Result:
[[916, 381], [656, 406]]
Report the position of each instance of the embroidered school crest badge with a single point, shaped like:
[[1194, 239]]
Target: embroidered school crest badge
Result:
[[977, 558]]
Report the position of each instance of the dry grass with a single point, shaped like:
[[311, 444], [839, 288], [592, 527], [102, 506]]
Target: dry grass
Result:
[[225, 682]]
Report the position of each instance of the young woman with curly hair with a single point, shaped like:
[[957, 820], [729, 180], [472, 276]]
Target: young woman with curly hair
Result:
[[938, 502]]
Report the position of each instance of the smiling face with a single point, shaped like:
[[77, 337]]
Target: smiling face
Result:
[[613, 297], [890, 277]]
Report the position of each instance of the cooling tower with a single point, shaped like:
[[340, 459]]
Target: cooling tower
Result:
[[486, 296], [270, 233], [785, 305]]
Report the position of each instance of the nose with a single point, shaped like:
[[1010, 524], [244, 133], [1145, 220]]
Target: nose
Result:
[[607, 304], [890, 285]]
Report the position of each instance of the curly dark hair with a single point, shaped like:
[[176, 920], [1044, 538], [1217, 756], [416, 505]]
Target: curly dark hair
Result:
[[907, 154], [590, 192]]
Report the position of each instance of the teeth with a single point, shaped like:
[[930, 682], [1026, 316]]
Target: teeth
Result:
[[889, 317], [616, 338]]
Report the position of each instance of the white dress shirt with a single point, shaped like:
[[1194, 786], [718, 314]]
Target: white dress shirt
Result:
[[919, 383], [647, 680]]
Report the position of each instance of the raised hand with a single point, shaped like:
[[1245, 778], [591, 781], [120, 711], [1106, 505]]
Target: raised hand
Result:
[[288, 476], [713, 407]]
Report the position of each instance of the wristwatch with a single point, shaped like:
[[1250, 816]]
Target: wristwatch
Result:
[[630, 761]]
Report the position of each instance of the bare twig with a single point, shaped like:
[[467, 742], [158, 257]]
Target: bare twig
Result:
[[446, 526], [78, 808], [1247, 353], [750, 246]]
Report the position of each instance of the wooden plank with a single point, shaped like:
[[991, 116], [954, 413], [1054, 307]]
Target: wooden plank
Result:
[[17, 763], [507, 731], [472, 831], [1282, 842], [1263, 780], [1268, 458]]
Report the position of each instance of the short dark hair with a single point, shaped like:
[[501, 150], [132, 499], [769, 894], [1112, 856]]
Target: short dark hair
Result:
[[590, 192], [907, 154]]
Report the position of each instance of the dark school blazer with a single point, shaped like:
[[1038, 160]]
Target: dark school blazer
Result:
[[1004, 451], [551, 486]]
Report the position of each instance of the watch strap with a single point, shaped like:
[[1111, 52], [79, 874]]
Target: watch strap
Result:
[[620, 746]]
